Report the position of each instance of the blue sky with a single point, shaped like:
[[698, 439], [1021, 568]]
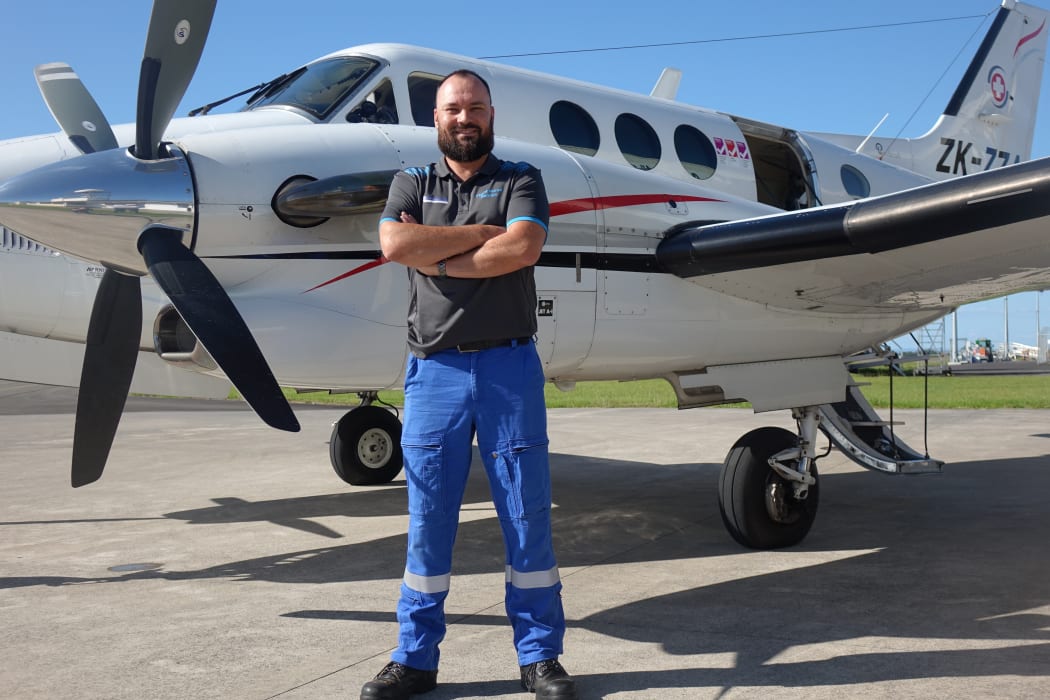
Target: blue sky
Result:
[[841, 81]]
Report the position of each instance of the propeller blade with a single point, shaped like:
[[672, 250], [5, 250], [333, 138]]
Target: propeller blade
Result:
[[74, 108], [208, 311], [174, 44], [109, 363]]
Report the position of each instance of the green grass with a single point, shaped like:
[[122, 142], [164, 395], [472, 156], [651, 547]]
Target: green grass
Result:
[[647, 393], [975, 391], [1028, 391]]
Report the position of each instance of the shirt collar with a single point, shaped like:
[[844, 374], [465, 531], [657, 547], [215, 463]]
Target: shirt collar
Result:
[[489, 167]]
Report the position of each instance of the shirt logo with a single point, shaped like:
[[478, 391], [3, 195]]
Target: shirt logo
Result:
[[427, 199], [489, 193]]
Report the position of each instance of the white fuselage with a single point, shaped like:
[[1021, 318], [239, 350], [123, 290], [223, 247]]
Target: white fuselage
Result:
[[639, 164]]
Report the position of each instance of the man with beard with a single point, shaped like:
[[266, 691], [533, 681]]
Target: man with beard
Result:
[[469, 229]]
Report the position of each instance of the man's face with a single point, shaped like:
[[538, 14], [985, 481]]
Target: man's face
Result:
[[464, 117]]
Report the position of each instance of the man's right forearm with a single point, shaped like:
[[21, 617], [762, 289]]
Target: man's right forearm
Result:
[[416, 245]]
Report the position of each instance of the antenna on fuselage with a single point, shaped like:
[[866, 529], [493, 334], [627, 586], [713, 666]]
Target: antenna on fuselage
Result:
[[872, 133], [667, 84]]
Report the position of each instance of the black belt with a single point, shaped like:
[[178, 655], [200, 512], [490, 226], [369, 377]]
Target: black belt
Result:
[[488, 344]]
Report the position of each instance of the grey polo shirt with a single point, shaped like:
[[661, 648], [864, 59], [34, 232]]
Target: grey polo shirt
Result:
[[445, 312]]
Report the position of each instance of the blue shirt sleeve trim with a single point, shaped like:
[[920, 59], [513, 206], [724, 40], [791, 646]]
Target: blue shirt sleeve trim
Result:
[[388, 218], [533, 219]]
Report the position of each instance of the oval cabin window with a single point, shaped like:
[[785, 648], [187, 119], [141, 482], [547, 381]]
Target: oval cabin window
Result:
[[573, 129], [855, 183], [695, 152], [638, 142]]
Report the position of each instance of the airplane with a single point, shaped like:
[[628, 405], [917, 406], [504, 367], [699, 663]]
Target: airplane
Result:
[[682, 239]]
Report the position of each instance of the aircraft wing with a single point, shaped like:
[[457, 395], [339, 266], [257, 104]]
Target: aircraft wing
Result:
[[935, 246]]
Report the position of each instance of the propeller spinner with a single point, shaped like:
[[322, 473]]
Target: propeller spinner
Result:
[[130, 211]]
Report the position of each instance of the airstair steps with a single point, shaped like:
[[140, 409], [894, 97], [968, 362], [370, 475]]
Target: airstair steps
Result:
[[856, 430]]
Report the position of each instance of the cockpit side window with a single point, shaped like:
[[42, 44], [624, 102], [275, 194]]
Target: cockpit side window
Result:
[[320, 87], [422, 92], [378, 107]]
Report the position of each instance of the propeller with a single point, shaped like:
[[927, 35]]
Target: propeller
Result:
[[74, 108], [105, 378], [174, 44], [208, 311]]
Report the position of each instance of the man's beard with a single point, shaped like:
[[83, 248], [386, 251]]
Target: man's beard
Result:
[[466, 151]]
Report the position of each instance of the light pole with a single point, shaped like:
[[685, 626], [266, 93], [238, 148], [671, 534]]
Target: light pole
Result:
[[1006, 328]]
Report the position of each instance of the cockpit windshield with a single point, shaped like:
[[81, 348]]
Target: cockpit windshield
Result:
[[317, 88]]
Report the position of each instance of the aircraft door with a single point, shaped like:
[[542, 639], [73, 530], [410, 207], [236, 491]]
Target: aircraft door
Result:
[[566, 278]]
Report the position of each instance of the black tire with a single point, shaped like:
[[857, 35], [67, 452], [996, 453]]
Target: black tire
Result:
[[365, 448], [744, 493]]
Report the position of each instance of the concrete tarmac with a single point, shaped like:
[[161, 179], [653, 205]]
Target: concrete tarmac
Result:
[[218, 558]]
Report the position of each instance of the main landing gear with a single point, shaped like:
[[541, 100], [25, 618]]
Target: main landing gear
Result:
[[768, 490], [366, 444]]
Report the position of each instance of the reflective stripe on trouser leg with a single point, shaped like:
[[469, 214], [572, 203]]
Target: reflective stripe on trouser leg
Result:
[[512, 439], [533, 597], [436, 443]]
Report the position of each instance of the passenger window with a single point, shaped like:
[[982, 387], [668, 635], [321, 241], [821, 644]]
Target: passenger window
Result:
[[695, 152], [377, 108], [573, 129], [855, 183], [422, 92], [638, 141]]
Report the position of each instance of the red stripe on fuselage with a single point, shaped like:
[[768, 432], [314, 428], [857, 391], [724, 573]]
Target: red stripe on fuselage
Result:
[[360, 268], [574, 206], [569, 206]]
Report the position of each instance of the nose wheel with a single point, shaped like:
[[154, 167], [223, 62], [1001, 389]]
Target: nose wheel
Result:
[[366, 446]]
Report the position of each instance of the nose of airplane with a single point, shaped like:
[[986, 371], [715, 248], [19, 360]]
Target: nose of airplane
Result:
[[95, 206], [132, 213]]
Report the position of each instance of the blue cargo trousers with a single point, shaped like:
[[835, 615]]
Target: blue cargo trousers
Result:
[[496, 394]]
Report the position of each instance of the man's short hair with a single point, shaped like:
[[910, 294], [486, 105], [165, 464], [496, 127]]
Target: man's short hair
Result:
[[465, 73]]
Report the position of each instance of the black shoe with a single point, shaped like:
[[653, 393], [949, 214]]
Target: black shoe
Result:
[[399, 682], [548, 680]]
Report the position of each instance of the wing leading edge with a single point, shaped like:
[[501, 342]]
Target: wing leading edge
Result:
[[935, 246]]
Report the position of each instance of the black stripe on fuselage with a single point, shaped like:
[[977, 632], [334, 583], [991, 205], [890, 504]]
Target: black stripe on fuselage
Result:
[[306, 255], [622, 262]]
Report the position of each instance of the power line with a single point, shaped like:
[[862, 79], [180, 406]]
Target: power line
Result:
[[935, 84], [735, 38]]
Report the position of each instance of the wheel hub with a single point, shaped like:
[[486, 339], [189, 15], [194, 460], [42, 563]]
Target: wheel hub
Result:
[[780, 505], [374, 448]]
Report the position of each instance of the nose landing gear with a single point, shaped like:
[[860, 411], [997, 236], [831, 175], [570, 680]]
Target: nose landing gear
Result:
[[365, 448]]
